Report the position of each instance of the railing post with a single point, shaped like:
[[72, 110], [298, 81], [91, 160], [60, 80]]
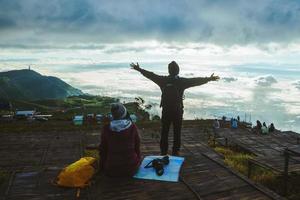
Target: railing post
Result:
[[215, 135], [249, 168], [286, 171]]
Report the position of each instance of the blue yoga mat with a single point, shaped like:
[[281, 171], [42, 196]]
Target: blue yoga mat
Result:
[[171, 171]]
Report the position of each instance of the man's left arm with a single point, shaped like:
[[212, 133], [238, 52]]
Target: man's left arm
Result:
[[192, 82]]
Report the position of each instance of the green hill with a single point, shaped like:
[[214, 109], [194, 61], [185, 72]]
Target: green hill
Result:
[[29, 90], [30, 85]]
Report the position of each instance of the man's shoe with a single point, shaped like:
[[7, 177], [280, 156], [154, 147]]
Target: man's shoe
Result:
[[175, 153]]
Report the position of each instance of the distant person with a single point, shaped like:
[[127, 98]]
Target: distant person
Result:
[[238, 118], [234, 124], [258, 126], [216, 126], [264, 129], [271, 128], [172, 88], [224, 118], [224, 121], [120, 144]]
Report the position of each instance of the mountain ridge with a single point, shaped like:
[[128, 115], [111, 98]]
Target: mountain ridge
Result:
[[27, 84]]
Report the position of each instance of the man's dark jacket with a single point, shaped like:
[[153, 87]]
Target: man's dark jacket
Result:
[[181, 83]]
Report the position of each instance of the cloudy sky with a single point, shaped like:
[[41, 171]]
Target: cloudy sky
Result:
[[57, 23], [231, 31], [253, 45]]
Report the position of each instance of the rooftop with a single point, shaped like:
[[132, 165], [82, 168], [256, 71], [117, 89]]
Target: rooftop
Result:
[[25, 112]]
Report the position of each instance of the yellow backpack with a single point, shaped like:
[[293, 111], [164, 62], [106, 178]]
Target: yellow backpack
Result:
[[77, 174]]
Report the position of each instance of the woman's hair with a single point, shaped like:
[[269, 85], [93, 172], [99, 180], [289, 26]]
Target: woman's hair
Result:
[[118, 111]]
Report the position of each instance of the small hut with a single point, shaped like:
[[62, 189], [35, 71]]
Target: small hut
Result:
[[78, 120], [25, 114]]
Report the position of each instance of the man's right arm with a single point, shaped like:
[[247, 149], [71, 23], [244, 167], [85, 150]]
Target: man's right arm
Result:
[[150, 75]]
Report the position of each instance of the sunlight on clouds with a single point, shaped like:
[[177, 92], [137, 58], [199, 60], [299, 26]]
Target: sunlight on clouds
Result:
[[149, 51], [259, 80]]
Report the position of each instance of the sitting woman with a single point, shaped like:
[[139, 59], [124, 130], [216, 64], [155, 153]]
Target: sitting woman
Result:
[[264, 129], [271, 128], [120, 144]]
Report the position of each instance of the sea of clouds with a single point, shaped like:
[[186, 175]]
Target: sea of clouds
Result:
[[251, 95], [255, 83]]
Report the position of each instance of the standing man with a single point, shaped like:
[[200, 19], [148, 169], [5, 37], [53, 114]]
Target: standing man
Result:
[[172, 88]]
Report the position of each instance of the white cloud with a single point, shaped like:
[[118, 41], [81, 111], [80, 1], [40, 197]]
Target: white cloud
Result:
[[229, 79], [266, 81], [297, 85]]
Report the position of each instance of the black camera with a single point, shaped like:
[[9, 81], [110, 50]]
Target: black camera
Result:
[[158, 164]]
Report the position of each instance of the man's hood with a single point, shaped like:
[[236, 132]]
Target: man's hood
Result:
[[120, 125]]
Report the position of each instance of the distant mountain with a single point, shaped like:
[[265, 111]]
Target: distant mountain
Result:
[[30, 85]]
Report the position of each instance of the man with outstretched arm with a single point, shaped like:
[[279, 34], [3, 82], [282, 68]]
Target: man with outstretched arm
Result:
[[172, 88]]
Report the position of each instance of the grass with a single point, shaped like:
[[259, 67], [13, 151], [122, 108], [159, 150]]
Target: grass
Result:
[[238, 160], [235, 160]]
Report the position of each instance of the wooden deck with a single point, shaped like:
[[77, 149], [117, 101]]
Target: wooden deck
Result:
[[36, 158]]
